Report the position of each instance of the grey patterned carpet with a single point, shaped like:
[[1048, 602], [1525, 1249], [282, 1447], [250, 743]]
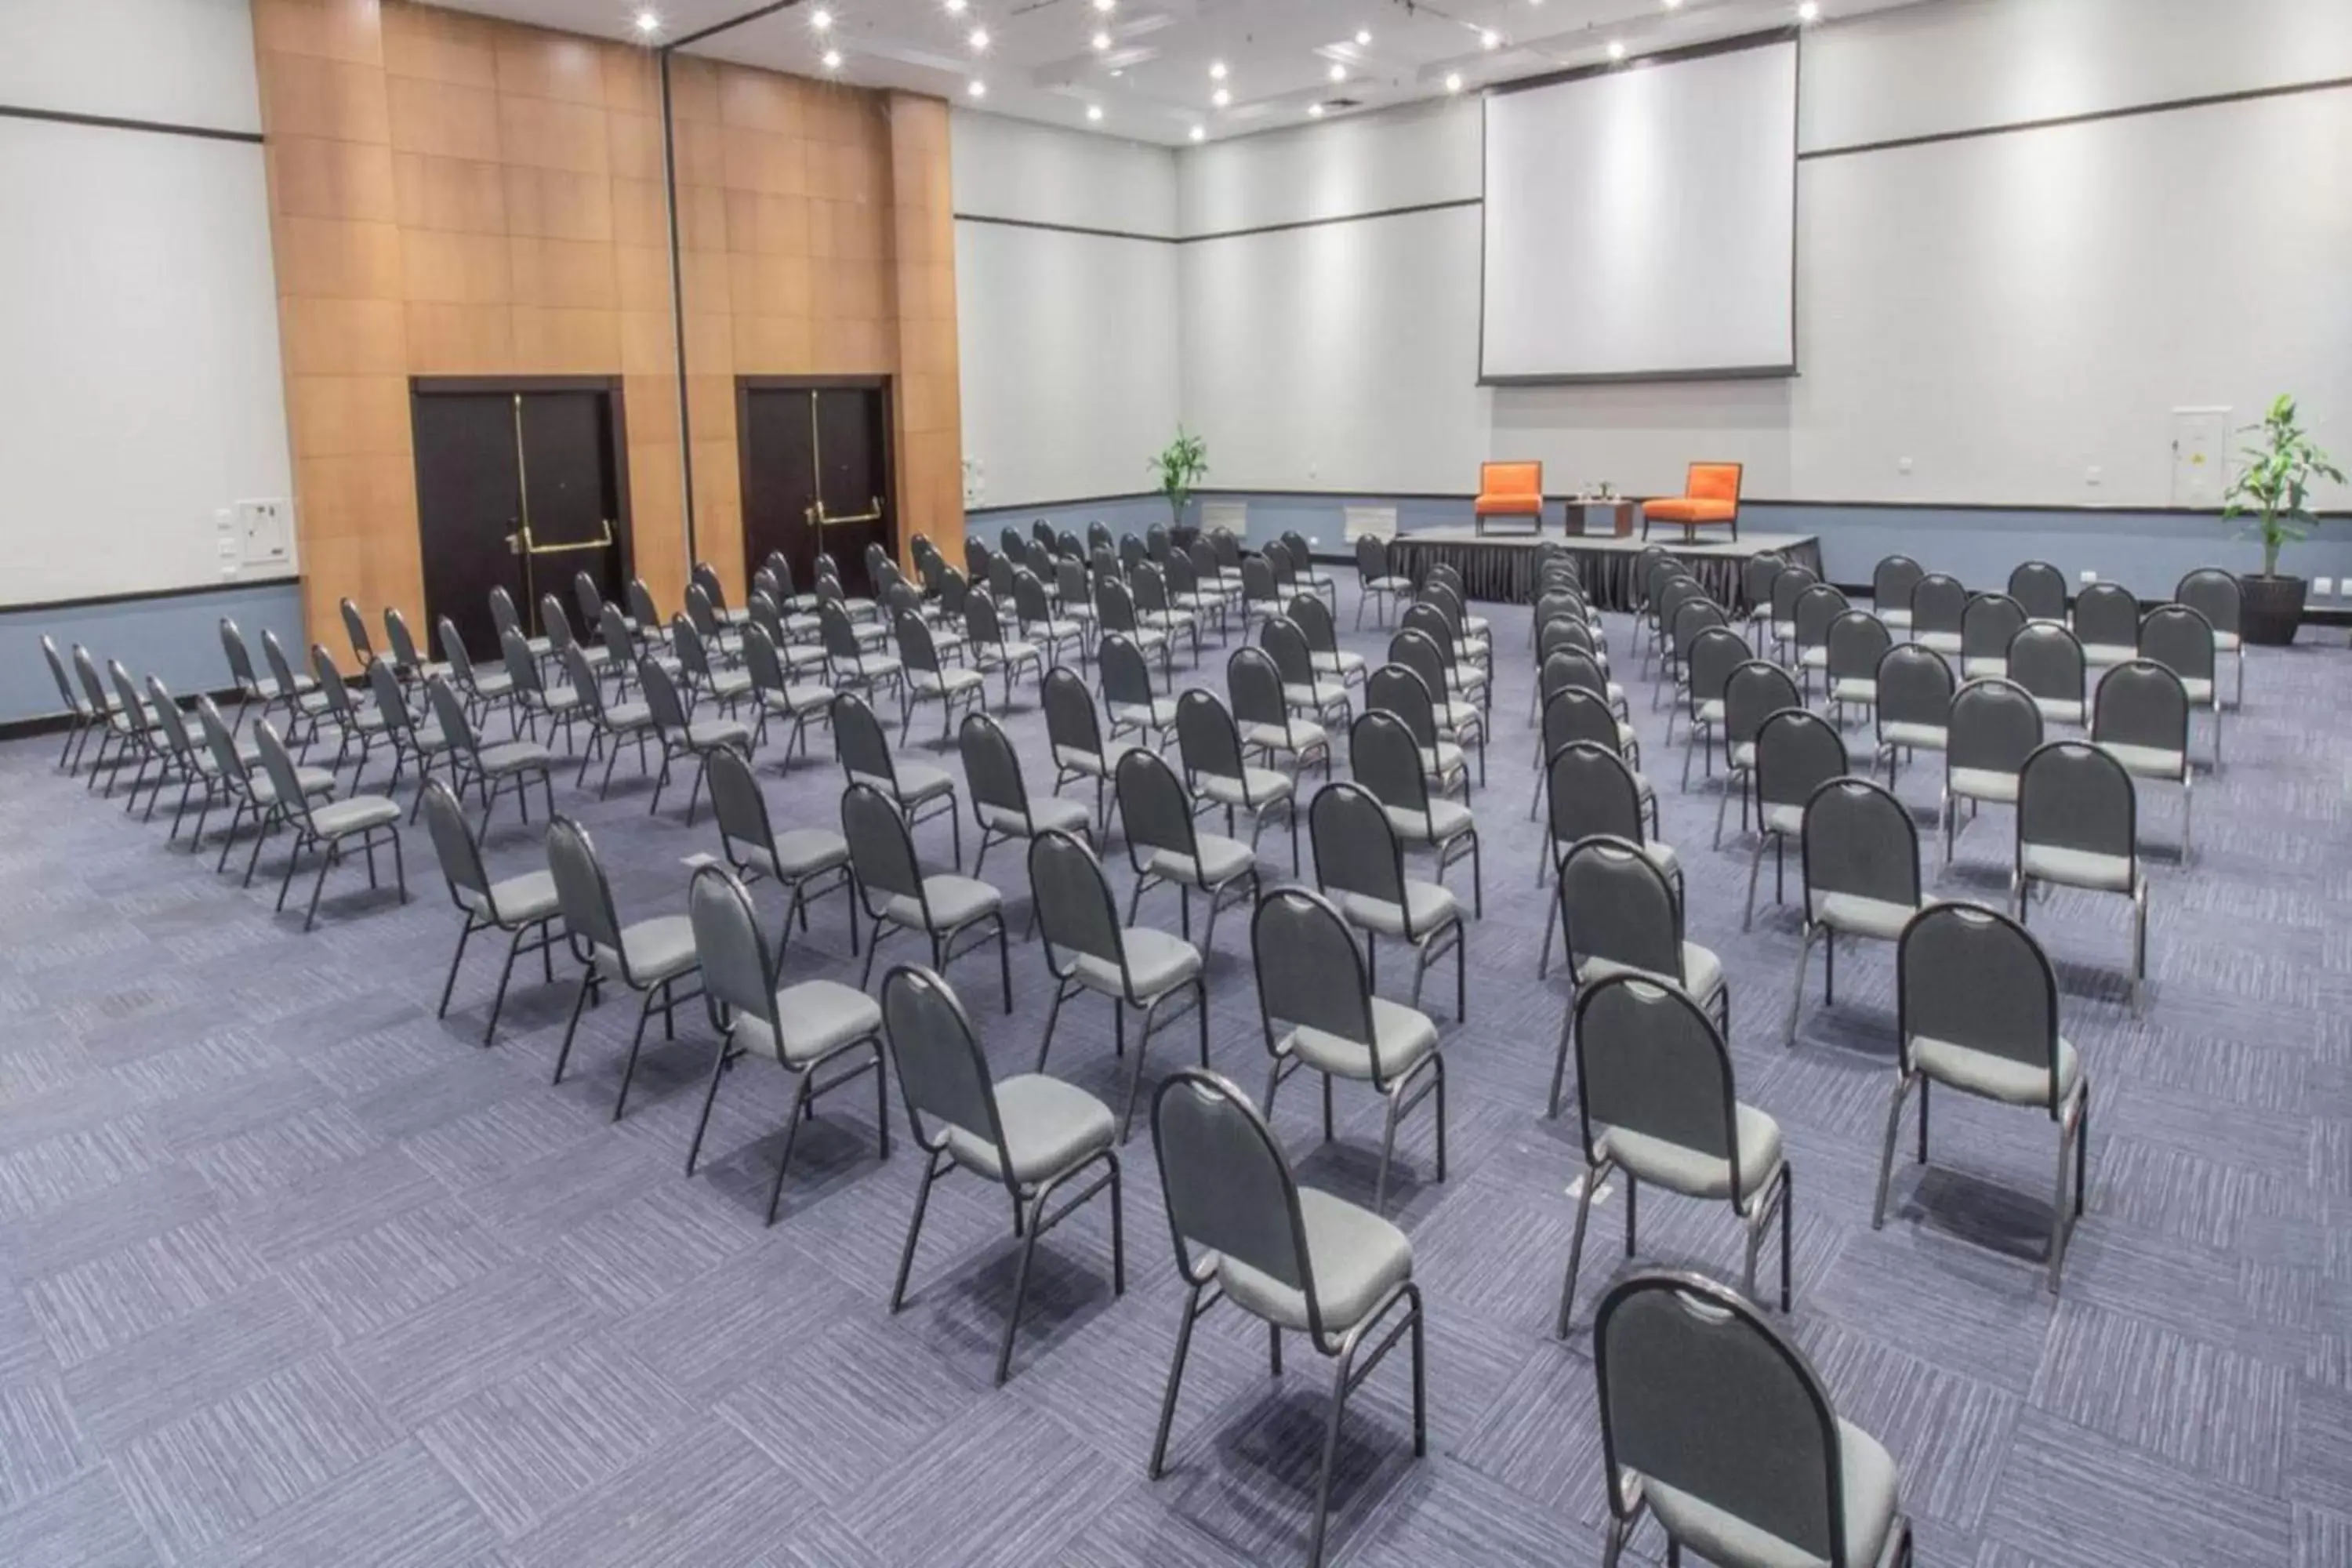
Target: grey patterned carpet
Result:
[[297, 1274]]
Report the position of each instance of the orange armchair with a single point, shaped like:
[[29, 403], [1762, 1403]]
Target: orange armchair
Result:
[[1710, 498], [1510, 490]]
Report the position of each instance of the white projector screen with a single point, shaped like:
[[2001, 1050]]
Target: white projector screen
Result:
[[1640, 222]]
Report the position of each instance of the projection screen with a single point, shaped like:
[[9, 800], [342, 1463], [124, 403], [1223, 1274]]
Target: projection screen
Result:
[[1641, 221]]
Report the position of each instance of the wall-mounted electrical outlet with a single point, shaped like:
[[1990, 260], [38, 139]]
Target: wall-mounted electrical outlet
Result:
[[2323, 588], [2094, 476], [2089, 578], [1902, 465]]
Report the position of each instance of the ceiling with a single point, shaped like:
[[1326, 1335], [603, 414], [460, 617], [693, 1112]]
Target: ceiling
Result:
[[1155, 81]]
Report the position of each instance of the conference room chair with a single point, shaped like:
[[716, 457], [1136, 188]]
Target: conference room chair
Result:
[[355, 631], [1326, 701], [321, 826], [1159, 544], [900, 597], [1797, 751], [1313, 618], [523, 907], [1660, 582], [1227, 546], [1977, 1004], [776, 696], [1218, 773], [1809, 623], [919, 791], [980, 557], [1712, 651], [798, 639], [1360, 865], [1987, 625], [724, 687], [1269, 730], [1074, 738], [1379, 584], [1302, 562], [853, 662], [483, 691], [2040, 590], [1591, 792], [1038, 620], [146, 743], [1892, 582], [623, 652], [1714, 1423], [1386, 758], [806, 862], [81, 717], [408, 662], [2219, 597], [2178, 637], [590, 600], [2046, 660], [1618, 905], [1856, 642], [560, 705], [412, 738], [1559, 615], [1316, 1002], [247, 795], [1100, 536], [190, 765], [306, 705], [857, 608], [652, 957], [2078, 826], [1574, 714], [805, 1029], [1466, 680], [1753, 691], [2106, 617], [945, 907], [505, 618], [1033, 1134], [1861, 863], [1156, 611], [1694, 615], [683, 738], [1571, 635], [610, 725], [703, 579], [1209, 572], [1128, 695], [1913, 694], [264, 690], [561, 640], [1000, 802], [1397, 689], [991, 649], [1165, 846], [496, 768], [1657, 1102], [1710, 498], [1088, 950], [1940, 607], [1073, 590], [1469, 629], [120, 728], [1995, 726], [645, 615], [1673, 588], [2140, 717], [1187, 595], [1454, 722], [1757, 575], [925, 678], [1115, 615], [1570, 669]]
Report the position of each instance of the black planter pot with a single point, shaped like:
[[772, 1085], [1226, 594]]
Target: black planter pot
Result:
[[2271, 610]]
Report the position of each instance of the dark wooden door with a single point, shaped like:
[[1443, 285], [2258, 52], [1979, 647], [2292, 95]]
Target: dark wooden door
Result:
[[817, 475], [519, 487]]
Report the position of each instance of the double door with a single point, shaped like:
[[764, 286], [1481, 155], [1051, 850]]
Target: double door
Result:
[[521, 486], [815, 457]]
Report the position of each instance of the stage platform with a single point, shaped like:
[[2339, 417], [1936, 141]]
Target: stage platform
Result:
[[1502, 567]]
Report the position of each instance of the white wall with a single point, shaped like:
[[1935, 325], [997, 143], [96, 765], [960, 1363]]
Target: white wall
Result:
[[140, 379], [2007, 312], [1067, 340]]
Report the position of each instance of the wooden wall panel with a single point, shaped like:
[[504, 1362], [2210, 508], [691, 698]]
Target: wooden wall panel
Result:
[[456, 195]]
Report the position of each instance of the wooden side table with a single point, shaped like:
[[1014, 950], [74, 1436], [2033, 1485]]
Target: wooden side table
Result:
[[1616, 514]]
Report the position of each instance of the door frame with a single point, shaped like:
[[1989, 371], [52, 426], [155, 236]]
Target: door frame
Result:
[[624, 530], [745, 385]]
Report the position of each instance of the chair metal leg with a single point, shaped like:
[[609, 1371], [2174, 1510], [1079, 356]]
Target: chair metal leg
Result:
[[571, 1029], [1797, 993], [1886, 1149], [1755, 870], [711, 1098], [803, 1106], [932, 1172], [1021, 1278], [1158, 1464]]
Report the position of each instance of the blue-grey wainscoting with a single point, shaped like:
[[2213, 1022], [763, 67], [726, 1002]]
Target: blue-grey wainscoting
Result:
[[176, 635]]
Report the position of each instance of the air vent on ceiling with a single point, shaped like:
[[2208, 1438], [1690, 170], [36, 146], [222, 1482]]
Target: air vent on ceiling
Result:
[[1330, 104]]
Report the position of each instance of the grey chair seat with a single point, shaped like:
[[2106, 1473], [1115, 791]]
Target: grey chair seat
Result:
[[519, 901], [918, 782], [710, 734], [1356, 1257], [1341, 663], [947, 682], [954, 901], [1816, 657], [728, 684], [2062, 710], [1896, 619], [1702, 972], [1442, 761], [2100, 655], [873, 665], [1405, 1035], [512, 756], [1856, 916], [992, 654], [817, 1016], [1868, 1484], [559, 699], [1941, 642], [1430, 905], [334, 819], [1695, 1172], [1918, 737], [1221, 858], [1052, 631], [1994, 1076], [1254, 788], [655, 949], [1709, 711], [1402, 585], [625, 716], [805, 851], [1743, 753], [1048, 1126], [2197, 689], [2226, 642], [1985, 784], [1984, 668], [1465, 676], [1046, 813], [2076, 867], [490, 685], [1145, 638], [429, 739], [314, 782], [1313, 697], [1299, 735], [2147, 761], [1781, 817], [1159, 713], [794, 701], [1854, 688], [1453, 715], [1157, 961], [1094, 765], [1445, 819]]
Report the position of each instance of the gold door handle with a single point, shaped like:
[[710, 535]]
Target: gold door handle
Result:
[[874, 514], [531, 547]]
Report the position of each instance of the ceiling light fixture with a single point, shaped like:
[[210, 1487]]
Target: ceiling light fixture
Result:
[[977, 87], [1811, 11], [1216, 70], [1221, 98], [1093, 111], [1101, 41], [1490, 39], [648, 22], [957, 7], [1453, 81], [979, 39], [1674, 5], [1363, 38], [820, 18], [1313, 112], [1200, 134], [1616, 49], [833, 60], [1337, 72], [1104, 5]]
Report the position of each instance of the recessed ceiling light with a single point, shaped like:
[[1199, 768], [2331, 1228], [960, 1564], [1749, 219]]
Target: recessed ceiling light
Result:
[[1337, 72], [1674, 5], [1093, 111], [980, 37], [1616, 49], [1313, 112], [1811, 11], [1453, 81], [957, 7], [1221, 98], [1363, 38], [1490, 39], [648, 22], [1200, 134], [820, 18], [1119, 71], [977, 87], [1104, 5], [1216, 70], [833, 60], [1101, 41]]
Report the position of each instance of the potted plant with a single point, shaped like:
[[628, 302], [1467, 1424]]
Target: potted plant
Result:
[[1181, 465], [2274, 488]]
